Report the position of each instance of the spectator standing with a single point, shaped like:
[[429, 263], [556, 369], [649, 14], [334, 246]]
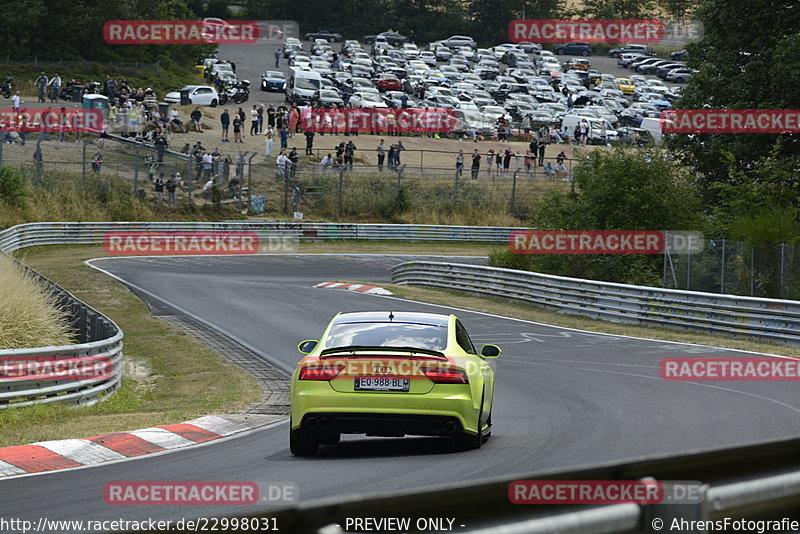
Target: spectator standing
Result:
[[41, 84], [161, 146], [158, 185], [489, 161], [260, 127], [459, 163], [208, 164], [476, 164], [271, 116], [349, 152], [397, 149], [111, 87], [197, 116], [499, 162], [225, 121], [392, 152], [528, 162], [254, 120], [284, 135], [15, 101], [309, 133], [278, 53], [172, 186], [237, 129], [507, 161], [294, 158], [381, 150], [269, 135], [282, 161], [294, 120], [541, 146]]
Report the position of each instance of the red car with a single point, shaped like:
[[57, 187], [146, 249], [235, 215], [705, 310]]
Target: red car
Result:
[[387, 82]]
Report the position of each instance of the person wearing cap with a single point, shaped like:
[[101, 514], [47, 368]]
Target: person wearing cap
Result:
[[41, 83]]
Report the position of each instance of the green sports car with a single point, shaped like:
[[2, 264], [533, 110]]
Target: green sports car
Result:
[[392, 374]]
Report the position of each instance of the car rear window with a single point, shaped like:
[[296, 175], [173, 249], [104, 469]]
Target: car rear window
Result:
[[421, 336]]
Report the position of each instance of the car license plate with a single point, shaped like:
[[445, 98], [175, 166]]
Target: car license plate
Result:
[[377, 383]]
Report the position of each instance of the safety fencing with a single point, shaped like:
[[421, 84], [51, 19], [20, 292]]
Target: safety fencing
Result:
[[98, 348], [771, 320], [92, 233]]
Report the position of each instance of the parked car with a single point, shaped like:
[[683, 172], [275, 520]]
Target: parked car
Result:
[[574, 48], [579, 64], [329, 97], [328, 35], [392, 38], [387, 82], [199, 95], [681, 75], [636, 48], [455, 41]]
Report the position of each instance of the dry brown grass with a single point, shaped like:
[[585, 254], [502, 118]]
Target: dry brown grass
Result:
[[29, 316]]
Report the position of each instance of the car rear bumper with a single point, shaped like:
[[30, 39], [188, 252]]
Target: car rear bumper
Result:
[[378, 424], [443, 401]]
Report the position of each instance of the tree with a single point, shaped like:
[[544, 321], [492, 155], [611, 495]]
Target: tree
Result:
[[620, 189], [745, 62]]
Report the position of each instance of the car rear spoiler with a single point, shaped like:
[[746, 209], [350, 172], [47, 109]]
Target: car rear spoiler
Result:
[[362, 350]]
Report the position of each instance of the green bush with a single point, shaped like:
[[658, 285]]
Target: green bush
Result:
[[12, 187]]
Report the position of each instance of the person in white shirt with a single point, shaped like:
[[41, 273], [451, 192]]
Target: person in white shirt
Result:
[[55, 81], [209, 185], [325, 163], [15, 101], [176, 122], [282, 162], [208, 163], [254, 121]]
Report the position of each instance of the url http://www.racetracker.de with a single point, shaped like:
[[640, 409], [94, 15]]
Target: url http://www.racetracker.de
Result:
[[202, 524], [725, 524]]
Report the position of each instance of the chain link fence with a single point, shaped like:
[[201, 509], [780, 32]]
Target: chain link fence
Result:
[[738, 268]]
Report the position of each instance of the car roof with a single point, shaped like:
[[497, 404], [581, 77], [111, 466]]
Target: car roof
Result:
[[433, 319]]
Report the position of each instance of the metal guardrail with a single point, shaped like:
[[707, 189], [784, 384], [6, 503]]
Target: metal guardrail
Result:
[[772, 320], [87, 233], [766, 487], [97, 336]]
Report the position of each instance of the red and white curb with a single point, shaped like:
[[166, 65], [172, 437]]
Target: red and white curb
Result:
[[360, 288], [66, 453]]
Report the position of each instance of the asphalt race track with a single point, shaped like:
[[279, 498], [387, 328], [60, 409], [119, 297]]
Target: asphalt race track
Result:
[[565, 398]]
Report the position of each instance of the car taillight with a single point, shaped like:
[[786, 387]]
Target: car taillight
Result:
[[445, 375], [320, 371]]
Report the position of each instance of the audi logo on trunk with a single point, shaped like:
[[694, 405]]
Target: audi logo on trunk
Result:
[[381, 369]]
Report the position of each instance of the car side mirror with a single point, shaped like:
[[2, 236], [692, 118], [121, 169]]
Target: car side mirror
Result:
[[490, 351], [307, 346]]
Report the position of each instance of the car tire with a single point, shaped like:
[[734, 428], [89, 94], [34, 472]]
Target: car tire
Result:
[[468, 442], [303, 443], [560, 52], [586, 53], [331, 40], [214, 103]]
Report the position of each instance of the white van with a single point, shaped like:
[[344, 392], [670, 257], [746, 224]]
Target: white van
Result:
[[595, 128], [302, 85], [653, 125]]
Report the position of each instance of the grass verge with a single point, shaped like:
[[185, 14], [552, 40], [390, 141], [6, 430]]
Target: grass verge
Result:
[[29, 316], [169, 377]]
